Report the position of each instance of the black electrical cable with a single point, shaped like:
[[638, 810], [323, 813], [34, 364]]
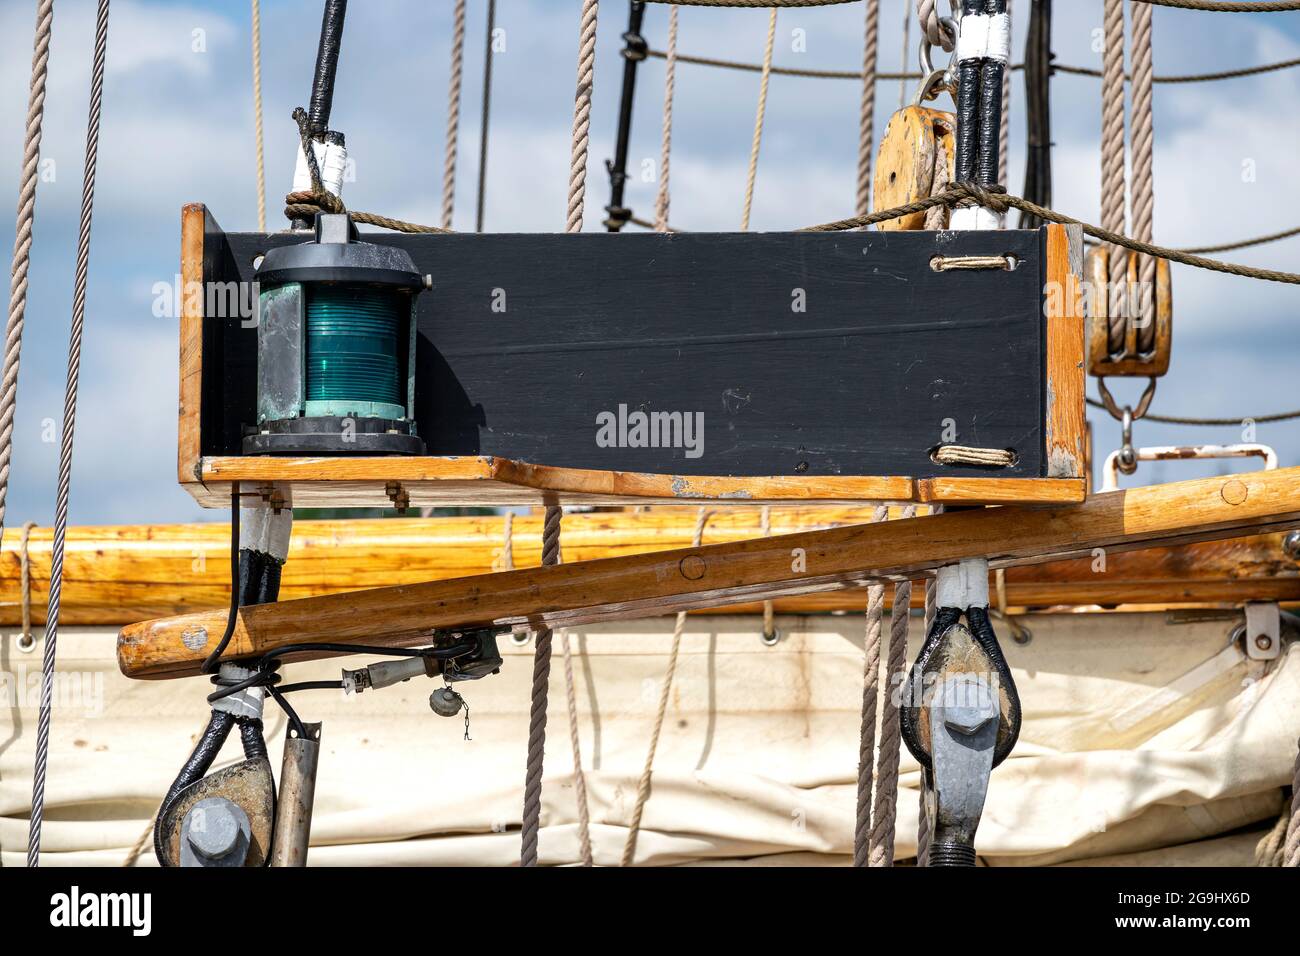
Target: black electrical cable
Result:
[[968, 98], [486, 116], [1038, 111], [990, 109], [210, 662]]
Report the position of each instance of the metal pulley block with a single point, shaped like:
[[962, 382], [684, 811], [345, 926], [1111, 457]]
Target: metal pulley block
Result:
[[960, 712], [1127, 346]]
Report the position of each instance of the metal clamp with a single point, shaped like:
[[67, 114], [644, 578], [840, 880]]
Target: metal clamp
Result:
[[963, 732], [1114, 461], [934, 81]]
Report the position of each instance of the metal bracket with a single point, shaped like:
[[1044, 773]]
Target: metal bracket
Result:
[[963, 729], [1263, 633]]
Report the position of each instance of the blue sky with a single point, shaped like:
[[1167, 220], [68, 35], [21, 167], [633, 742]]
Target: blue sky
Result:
[[178, 127]]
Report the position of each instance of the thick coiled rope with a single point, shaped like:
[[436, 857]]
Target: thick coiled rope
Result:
[[867, 106], [69, 424], [537, 709], [647, 770], [1291, 848], [870, 706], [453, 113], [23, 243]]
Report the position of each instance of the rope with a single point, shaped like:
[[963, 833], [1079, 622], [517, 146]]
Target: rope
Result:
[[1143, 197], [23, 243], [485, 117], [1213, 6], [783, 70], [1173, 420], [25, 641], [884, 812], [1056, 68], [1244, 243], [923, 827], [582, 115], [643, 784], [870, 700], [537, 708], [867, 109], [902, 56], [507, 559], [1112, 163], [999, 201], [966, 455], [1291, 849], [257, 119], [935, 34], [137, 849], [453, 113], [69, 424], [666, 145], [579, 777], [758, 121]]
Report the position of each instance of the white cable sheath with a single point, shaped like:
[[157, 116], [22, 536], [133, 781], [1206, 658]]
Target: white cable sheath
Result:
[[332, 158], [985, 36]]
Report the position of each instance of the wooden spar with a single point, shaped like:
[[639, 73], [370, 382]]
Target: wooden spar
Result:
[[685, 579], [115, 575]]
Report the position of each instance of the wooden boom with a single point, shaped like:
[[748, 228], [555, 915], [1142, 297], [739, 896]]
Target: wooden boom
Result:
[[684, 579], [120, 574]]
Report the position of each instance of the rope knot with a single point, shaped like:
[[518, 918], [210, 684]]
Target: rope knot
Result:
[[306, 203], [971, 193]]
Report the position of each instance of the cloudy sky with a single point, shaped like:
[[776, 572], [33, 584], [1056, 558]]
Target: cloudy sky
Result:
[[178, 127]]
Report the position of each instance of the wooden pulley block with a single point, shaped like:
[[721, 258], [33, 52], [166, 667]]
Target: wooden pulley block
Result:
[[915, 142], [1134, 359]]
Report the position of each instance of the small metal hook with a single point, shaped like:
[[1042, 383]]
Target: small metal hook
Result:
[[934, 81]]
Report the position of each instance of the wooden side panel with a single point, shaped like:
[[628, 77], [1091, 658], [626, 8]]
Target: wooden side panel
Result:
[[189, 443], [1066, 376]]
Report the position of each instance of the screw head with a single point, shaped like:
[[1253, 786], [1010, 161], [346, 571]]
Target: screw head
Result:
[[1263, 642], [1291, 545]]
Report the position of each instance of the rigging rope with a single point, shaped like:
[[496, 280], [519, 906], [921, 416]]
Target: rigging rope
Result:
[[1055, 68], [870, 705], [884, 812], [65, 449], [1143, 198], [1173, 420], [453, 113], [1214, 6], [1004, 131], [758, 121], [769, 608], [1291, 849], [1243, 243], [257, 118], [867, 109], [643, 783], [551, 527], [753, 4], [662, 195], [999, 200], [575, 747], [23, 243], [537, 708], [935, 32], [1112, 164]]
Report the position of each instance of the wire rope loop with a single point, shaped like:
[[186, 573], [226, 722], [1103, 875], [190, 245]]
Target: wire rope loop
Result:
[[1117, 413], [933, 80]]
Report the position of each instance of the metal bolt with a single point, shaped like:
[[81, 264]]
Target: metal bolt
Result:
[[214, 830], [1263, 642], [972, 705], [1291, 545]]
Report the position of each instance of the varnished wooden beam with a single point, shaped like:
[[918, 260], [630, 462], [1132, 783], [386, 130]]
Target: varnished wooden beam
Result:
[[119, 574], [804, 563]]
